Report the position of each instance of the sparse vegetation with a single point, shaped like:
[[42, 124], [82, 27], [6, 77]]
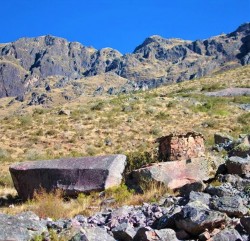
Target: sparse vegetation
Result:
[[40, 133]]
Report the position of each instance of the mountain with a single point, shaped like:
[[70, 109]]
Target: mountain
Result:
[[31, 62]]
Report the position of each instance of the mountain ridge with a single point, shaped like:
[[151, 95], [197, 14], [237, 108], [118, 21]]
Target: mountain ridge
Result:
[[28, 62]]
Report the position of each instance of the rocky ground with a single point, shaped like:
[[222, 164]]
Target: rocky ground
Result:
[[216, 210]]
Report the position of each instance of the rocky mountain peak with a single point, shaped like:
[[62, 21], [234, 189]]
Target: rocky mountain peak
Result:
[[157, 61], [245, 27]]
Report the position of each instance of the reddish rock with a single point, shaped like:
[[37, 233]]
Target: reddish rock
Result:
[[176, 147], [73, 175], [175, 174]]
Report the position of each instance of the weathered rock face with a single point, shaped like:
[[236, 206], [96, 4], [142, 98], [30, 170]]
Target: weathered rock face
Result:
[[73, 175], [181, 147], [11, 79], [174, 174], [167, 60]]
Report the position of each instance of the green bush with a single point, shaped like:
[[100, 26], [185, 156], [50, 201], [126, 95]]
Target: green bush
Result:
[[119, 193], [137, 160]]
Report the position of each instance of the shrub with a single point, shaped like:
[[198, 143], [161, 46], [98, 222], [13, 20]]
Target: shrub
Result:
[[25, 120], [120, 193], [138, 159]]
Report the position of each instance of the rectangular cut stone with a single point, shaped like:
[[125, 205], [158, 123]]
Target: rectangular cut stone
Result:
[[176, 147], [73, 175]]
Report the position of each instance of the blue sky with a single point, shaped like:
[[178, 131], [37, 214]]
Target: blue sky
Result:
[[120, 24]]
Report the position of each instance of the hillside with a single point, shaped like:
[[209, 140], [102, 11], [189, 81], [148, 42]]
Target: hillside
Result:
[[127, 123], [53, 63]]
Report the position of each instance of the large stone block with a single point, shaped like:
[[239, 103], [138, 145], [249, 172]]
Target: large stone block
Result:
[[176, 147], [174, 174], [73, 175]]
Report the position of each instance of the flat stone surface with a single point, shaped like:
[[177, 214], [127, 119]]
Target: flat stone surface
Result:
[[73, 175]]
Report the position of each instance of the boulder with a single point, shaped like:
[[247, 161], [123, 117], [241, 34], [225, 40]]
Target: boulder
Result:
[[231, 205], [176, 147], [238, 165], [196, 217], [174, 174], [22, 227], [72, 175]]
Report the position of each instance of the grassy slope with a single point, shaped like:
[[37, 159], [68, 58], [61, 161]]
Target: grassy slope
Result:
[[130, 123]]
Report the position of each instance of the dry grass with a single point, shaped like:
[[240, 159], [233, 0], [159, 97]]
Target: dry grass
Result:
[[55, 206]]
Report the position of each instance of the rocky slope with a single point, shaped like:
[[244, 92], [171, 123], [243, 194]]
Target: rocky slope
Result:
[[29, 62], [217, 210]]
